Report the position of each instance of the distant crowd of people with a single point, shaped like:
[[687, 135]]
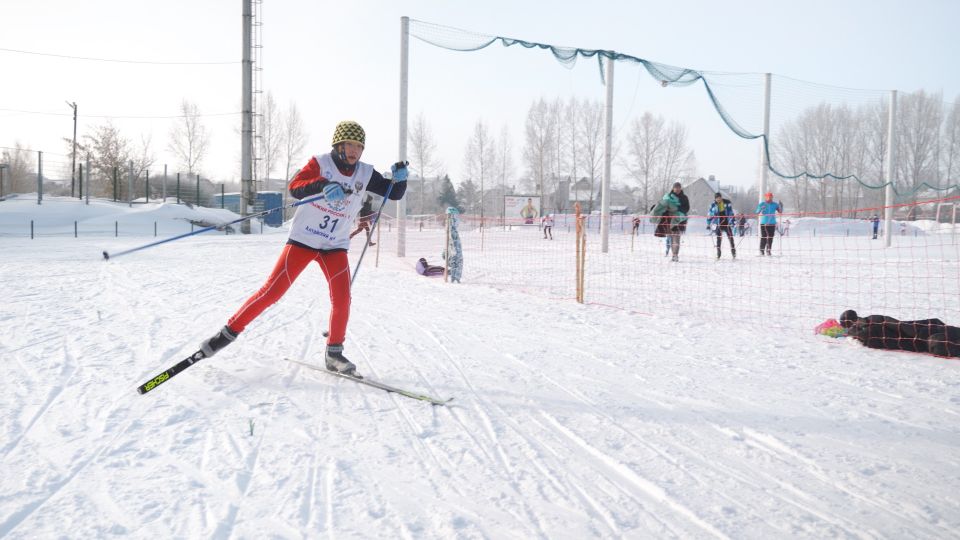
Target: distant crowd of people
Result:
[[670, 216]]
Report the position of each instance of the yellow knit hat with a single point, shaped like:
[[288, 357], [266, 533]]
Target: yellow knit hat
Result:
[[348, 130]]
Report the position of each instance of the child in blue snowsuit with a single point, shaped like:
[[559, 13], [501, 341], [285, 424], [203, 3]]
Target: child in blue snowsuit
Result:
[[454, 249]]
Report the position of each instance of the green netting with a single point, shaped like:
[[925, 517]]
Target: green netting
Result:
[[817, 132]]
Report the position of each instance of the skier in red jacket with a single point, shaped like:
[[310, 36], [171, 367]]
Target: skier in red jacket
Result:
[[320, 231]]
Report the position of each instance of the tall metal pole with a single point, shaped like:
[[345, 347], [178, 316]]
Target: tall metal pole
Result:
[[891, 161], [39, 177], [404, 78], [765, 142], [73, 160], [246, 136], [130, 185], [607, 158], [89, 172]]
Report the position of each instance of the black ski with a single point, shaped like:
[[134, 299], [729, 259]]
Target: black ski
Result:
[[166, 375], [376, 384]]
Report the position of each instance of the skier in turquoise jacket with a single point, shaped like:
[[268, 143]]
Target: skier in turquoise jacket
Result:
[[767, 212]]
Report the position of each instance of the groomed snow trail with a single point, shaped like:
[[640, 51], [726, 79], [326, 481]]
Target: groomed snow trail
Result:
[[568, 422]]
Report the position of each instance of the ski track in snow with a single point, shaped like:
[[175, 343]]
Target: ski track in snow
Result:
[[568, 421]]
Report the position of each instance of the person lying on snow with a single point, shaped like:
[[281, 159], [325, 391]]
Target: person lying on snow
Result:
[[426, 269], [881, 332]]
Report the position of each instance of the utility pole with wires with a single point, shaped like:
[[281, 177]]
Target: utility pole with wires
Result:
[[246, 135], [73, 159]]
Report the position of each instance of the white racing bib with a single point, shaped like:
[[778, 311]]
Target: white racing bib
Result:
[[323, 224]]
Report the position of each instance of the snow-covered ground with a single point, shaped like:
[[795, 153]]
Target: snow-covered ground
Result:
[[568, 420]]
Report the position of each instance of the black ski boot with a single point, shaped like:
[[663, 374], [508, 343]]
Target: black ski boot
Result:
[[219, 340], [337, 362]]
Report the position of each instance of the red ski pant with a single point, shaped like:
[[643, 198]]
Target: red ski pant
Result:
[[292, 261]]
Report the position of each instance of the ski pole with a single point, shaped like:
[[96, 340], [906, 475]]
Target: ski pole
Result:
[[373, 227], [107, 256], [366, 243]]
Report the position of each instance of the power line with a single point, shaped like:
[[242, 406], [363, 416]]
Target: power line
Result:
[[134, 117], [92, 59]]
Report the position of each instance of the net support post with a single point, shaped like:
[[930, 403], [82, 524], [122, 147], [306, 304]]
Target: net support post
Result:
[[402, 147], [890, 163], [607, 158], [765, 140]]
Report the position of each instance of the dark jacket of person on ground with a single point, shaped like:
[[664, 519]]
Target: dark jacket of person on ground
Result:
[[882, 332], [426, 269]]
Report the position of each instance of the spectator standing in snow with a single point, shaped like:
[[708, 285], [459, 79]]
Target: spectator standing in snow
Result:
[[671, 218], [366, 216], [876, 225], [721, 214], [767, 213], [319, 233], [548, 226], [636, 225]]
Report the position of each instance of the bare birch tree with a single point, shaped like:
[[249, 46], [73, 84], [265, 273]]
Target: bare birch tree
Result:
[[678, 159], [189, 140], [17, 175], [918, 130], [950, 153], [645, 145], [294, 139], [590, 140], [503, 164], [479, 162], [538, 150], [269, 137], [422, 157], [659, 154]]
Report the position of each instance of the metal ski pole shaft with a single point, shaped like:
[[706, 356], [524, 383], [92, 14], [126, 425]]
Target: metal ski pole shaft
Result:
[[107, 256], [373, 227], [366, 243]]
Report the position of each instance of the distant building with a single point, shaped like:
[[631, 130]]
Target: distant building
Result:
[[702, 191], [621, 200], [266, 200]]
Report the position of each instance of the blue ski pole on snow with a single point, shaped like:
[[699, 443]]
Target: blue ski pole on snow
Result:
[[107, 256]]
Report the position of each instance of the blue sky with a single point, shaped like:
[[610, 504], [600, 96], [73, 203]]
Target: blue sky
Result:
[[341, 60]]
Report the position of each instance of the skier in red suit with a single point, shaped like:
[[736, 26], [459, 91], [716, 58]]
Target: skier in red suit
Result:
[[320, 231]]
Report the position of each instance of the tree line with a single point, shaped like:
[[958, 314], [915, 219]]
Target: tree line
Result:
[[850, 140], [280, 138], [562, 149]]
